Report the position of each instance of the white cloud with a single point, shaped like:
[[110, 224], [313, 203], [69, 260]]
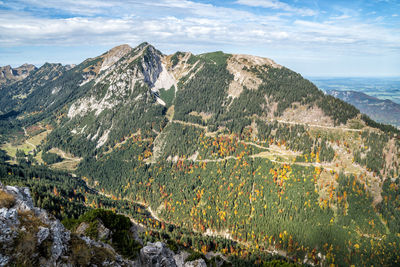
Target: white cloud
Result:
[[275, 4], [340, 17], [176, 25]]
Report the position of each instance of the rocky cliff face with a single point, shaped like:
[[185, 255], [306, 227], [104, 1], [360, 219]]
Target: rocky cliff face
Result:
[[9, 75]]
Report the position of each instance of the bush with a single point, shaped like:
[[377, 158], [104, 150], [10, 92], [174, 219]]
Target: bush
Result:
[[194, 256], [110, 219]]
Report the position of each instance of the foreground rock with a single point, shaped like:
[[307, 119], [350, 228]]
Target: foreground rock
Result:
[[29, 236], [157, 254]]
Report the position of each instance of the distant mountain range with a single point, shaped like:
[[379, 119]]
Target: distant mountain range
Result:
[[384, 111], [9, 75]]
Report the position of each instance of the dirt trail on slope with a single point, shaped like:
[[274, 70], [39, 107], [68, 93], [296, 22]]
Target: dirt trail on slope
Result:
[[321, 126]]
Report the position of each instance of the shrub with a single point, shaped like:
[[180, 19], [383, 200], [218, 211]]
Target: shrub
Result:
[[194, 256]]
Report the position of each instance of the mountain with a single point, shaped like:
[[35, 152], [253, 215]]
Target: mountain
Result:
[[217, 153], [9, 75], [138, 90], [384, 111]]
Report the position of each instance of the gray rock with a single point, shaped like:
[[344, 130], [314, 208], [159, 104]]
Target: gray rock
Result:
[[9, 216], [81, 229], [103, 232], [42, 234], [4, 260], [180, 258], [8, 226], [93, 243], [196, 263], [135, 233], [60, 239], [156, 255]]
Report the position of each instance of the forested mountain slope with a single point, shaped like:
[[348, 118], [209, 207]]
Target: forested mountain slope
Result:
[[234, 146]]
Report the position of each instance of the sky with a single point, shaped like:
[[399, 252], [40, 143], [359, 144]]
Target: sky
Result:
[[313, 37]]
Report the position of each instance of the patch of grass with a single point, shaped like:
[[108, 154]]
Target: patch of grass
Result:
[[11, 149], [80, 252], [37, 139], [218, 57], [25, 247], [30, 221], [27, 145], [170, 112], [66, 165], [6, 200]]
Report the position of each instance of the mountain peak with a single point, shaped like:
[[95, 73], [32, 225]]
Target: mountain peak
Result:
[[255, 60], [9, 75], [115, 54], [142, 45], [117, 48]]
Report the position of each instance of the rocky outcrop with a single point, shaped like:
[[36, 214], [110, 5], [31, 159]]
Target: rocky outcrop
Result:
[[9, 75], [155, 255], [103, 233], [29, 236]]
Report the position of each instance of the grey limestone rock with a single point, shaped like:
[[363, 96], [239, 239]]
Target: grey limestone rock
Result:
[[60, 239], [4, 260], [196, 263], [8, 226], [42, 234], [157, 255]]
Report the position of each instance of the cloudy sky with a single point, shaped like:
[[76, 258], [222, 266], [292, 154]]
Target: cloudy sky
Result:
[[313, 37]]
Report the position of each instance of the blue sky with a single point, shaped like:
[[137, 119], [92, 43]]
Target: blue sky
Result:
[[313, 37]]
